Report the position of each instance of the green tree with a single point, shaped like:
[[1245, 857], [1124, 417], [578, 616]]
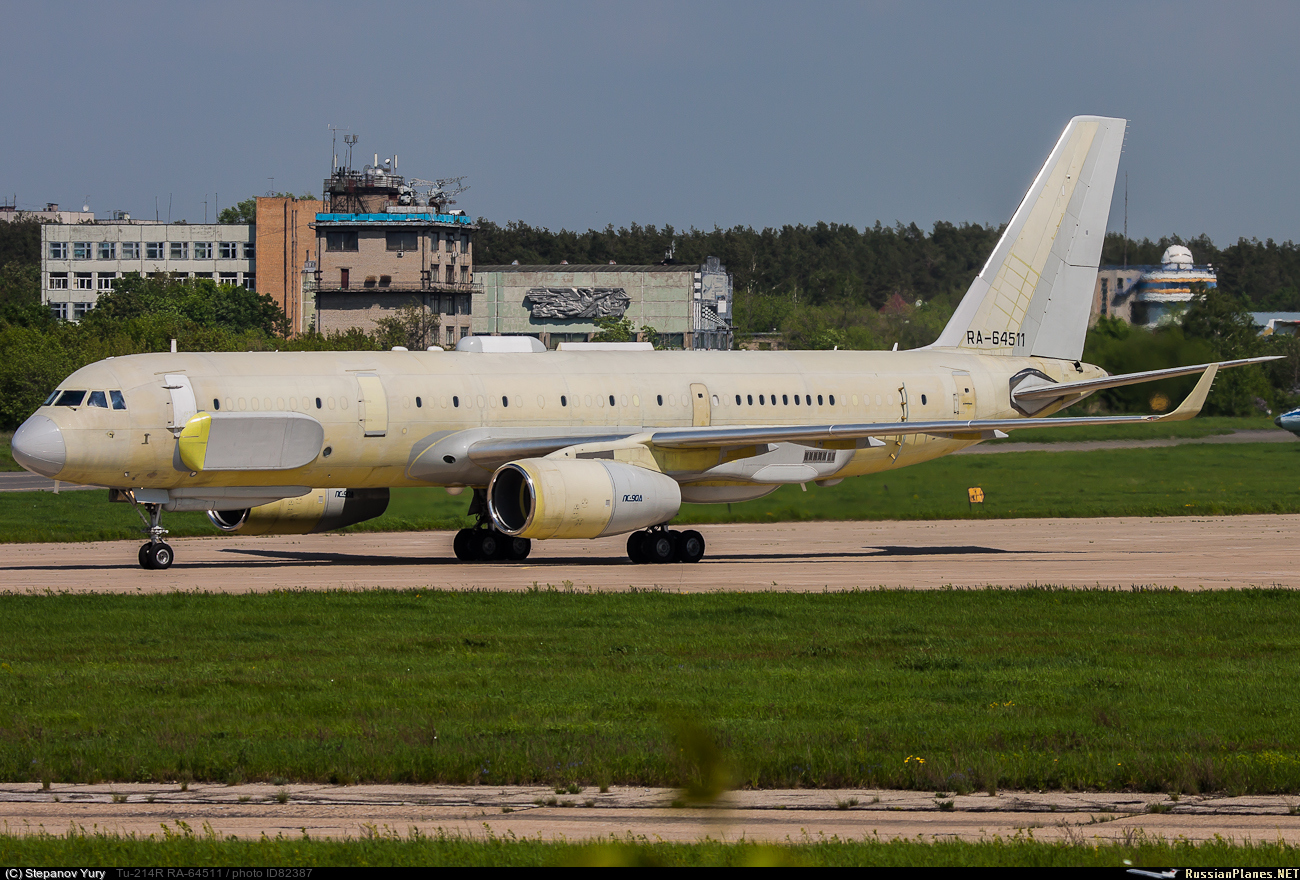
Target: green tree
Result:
[[243, 212], [613, 330], [412, 327]]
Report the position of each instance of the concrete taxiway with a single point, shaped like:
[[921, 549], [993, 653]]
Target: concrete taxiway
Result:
[[1184, 552]]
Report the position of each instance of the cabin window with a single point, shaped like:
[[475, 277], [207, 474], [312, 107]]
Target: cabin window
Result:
[[50, 399], [750, 399], [98, 398], [737, 400], [611, 400], [216, 404], [785, 401], [119, 402], [564, 400], [455, 400], [832, 400], [505, 401], [796, 400], [71, 398], [819, 400], [318, 403], [922, 400], [760, 400], [660, 398], [418, 403], [807, 398]]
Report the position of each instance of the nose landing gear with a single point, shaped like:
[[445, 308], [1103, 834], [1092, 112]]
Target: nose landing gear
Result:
[[157, 554]]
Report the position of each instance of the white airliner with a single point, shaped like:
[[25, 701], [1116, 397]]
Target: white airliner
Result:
[[591, 442]]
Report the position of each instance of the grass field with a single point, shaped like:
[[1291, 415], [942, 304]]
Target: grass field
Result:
[[186, 849], [1166, 481], [944, 691]]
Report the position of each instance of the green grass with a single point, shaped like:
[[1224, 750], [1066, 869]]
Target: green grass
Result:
[[182, 848], [952, 691], [1167, 481], [7, 462]]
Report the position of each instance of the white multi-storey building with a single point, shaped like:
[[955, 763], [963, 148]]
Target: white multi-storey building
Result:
[[81, 261]]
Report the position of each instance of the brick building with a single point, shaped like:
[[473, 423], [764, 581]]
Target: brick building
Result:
[[286, 244]]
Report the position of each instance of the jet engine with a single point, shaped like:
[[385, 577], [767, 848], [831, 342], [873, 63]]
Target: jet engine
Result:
[[320, 510], [588, 498]]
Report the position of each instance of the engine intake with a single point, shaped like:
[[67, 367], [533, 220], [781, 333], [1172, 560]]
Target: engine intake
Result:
[[592, 498], [320, 510]]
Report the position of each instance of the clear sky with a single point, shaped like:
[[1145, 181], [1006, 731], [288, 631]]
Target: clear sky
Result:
[[578, 115]]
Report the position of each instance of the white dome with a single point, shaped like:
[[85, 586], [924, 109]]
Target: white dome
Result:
[[1177, 257]]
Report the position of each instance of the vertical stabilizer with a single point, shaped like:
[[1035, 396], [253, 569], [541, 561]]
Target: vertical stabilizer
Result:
[[1034, 295]]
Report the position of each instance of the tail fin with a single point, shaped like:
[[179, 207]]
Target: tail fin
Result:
[[1034, 295]]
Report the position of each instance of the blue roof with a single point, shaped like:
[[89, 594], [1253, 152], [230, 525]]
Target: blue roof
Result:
[[459, 219]]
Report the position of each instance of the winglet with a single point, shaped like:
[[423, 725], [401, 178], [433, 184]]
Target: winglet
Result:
[[1192, 405]]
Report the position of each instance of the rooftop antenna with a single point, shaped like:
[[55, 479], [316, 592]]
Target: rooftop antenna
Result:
[[205, 207], [350, 140], [155, 209], [169, 208], [271, 191]]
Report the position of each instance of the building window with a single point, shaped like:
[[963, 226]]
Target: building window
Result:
[[81, 250], [250, 281], [464, 331], [451, 337], [59, 311], [79, 310], [85, 281], [180, 250], [231, 278], [228, 250], [107, 250], [106, 280], [130, 250], [450, 277], [401, 240], [58, 250], [58, 281], [464, 274], [155, 250], [249, 250], [340, 241], [464, 244], [202, 274], [202, 250]]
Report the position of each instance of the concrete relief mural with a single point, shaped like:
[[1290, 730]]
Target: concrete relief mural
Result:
[[577, 302]]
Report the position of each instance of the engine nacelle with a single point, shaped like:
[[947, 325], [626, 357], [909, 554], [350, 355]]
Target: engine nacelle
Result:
[[587, 498], [320, 510]]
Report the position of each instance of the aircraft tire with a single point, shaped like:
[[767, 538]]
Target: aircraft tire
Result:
[[690, 546], [463, 545], [143, 556], [635, 544], [659, 547], [517, 549], [160, 556], [487, 544]]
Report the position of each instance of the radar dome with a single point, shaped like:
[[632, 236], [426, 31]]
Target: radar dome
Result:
[[1177, 257]]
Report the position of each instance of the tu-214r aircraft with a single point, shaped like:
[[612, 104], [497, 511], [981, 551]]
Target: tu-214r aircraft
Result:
[[588, 443]]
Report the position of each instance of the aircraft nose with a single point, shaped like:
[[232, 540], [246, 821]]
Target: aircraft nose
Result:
[[38, 446]]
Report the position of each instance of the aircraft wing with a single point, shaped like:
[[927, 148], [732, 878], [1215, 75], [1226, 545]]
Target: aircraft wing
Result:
[[491, 452], [975, 429], [1036, 388]]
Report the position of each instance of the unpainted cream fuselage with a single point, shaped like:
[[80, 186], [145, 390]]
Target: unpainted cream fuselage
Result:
[[137, 447]]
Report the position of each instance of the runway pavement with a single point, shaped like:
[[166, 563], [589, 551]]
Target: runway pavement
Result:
[[797, 816], [1191, 553]]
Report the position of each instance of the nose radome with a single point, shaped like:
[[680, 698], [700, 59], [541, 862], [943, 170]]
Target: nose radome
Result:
[[38, 446]]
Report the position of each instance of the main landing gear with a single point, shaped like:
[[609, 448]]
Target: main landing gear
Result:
[[483, 543], [658, 544], [156, 554]]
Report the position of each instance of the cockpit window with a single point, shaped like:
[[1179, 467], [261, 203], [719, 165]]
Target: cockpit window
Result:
[[71, 398], [119, 402], [97, 398], [50, 399]]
